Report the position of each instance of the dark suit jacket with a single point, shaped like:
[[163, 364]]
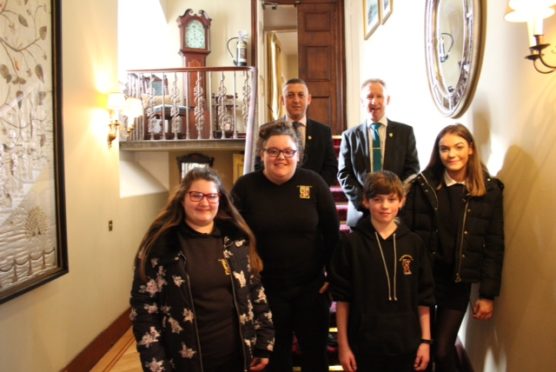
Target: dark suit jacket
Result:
[[400, 157], [319, 154]]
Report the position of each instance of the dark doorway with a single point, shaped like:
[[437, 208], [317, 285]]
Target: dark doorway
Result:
[[321, 54]]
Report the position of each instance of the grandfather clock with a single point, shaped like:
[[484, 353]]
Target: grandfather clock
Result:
[[194, 47], [194, 37]]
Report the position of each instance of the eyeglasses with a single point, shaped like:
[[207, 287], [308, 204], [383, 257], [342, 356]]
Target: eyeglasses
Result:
[[196, 196], [273, 152]]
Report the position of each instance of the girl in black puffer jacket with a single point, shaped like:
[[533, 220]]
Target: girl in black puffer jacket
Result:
[[456, 208]]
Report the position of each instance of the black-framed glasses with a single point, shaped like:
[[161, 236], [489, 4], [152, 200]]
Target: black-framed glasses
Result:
[[196, 196], [273, 152]]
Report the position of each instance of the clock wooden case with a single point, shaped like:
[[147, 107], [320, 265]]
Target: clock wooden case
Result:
[[194, 47], [194, 37]]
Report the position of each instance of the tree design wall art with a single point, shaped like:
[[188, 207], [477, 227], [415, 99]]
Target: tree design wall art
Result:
[[32, 207]]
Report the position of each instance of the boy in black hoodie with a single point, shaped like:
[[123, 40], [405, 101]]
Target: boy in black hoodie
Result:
[[382, 282]]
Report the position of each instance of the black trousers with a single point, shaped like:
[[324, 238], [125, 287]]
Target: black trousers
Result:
[[305, 314], [382, 363], [233, 364]]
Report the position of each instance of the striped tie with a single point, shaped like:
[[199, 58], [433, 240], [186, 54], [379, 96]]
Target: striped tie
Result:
[[376, 152], [298, 127]]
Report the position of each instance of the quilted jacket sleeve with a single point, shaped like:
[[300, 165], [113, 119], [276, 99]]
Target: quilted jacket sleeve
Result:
[[262, 320], [147, 319], [491, 265]]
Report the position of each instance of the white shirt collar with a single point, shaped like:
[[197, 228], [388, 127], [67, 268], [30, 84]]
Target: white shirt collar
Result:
[[303, 120], [383, 121], [449, 181]]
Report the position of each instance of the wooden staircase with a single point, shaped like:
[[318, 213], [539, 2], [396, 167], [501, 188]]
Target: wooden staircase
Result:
[[341, 206], [338, 194]]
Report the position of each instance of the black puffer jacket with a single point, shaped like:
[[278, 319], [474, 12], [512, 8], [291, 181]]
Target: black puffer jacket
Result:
[[163, 314], [480, 249]]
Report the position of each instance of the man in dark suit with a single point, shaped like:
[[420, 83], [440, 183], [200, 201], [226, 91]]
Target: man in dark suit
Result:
[[318, 153], [397, 153]]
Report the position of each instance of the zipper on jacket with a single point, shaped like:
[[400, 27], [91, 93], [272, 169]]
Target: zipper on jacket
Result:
[[195, 326], [425, 180], [434, 202], [458, 278], [234, 296], [392, 293]]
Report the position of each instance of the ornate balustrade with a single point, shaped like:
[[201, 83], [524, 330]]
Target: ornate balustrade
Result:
[[193, 108]]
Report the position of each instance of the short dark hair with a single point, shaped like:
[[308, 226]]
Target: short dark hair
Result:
[[277, 128], [294, 81], [383, 183]]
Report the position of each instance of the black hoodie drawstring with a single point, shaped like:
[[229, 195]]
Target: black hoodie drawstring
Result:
[[392, 295]]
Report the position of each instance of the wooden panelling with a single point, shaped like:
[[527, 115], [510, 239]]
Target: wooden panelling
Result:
[[321, 60]]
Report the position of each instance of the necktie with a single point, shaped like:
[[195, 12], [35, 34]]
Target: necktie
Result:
[[298, 127], [376, 151]]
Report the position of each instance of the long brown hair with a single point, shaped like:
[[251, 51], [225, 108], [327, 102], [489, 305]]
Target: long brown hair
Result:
[[475, 174], [173, 214]]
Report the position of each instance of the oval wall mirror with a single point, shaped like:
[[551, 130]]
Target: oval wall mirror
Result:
[[454, 45]]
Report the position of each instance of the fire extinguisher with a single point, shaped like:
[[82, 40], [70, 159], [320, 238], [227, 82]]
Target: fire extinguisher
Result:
[[240, 58]]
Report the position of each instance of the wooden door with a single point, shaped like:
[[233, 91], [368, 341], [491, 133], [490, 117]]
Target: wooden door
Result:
[[322, 59], [321, 56]]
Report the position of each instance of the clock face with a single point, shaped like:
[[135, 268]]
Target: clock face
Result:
[[195, 35]]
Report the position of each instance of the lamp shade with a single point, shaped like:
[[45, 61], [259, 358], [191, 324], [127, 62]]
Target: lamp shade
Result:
[[133, 107], [519, 9], [116, 101]]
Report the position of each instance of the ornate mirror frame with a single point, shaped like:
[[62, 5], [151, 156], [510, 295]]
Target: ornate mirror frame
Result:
[[454, 36]]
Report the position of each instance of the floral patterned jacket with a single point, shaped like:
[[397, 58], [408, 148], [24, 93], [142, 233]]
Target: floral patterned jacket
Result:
[[163, 314]]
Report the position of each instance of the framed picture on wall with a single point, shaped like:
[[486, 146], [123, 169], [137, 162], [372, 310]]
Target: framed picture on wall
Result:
[[385, 9], [33, 247], [371, 16], [193, 160]]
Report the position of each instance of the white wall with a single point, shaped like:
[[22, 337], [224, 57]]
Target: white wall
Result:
[[148, 37], [151, 30], [43, 330], [513, 117]]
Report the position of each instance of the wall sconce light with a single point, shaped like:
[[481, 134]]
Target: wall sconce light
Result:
[[533, 12], [123, 112]]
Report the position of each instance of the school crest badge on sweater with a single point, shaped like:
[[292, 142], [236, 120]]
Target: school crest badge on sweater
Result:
[[406, 261], [304, 192]]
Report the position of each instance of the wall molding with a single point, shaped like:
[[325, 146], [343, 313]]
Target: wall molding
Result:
[[93, 352]]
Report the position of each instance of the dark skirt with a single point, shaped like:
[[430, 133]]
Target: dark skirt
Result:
[[448, 293]]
